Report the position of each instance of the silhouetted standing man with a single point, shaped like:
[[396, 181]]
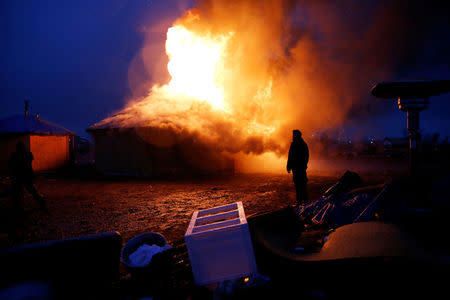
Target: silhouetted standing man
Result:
[[298, 163], [22, 176]]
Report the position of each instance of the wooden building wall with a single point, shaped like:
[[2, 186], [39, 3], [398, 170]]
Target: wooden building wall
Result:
[[154, 152], [49, 152], [122, 153]]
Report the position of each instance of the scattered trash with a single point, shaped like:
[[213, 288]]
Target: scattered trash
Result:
[[349, 210], [350, 180], [318, 295], [257, 280], [338, 209], [341, 204], [143, 254], [324, 213], [226, 289]]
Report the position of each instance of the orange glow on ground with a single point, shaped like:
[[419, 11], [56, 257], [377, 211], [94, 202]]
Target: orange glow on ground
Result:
[[265, 163]]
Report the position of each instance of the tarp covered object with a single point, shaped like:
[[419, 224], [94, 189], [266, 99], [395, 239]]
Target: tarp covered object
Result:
[[341, 204]]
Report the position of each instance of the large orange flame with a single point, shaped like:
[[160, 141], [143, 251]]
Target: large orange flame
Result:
[[243, 92], [208, 96], [196, 65]]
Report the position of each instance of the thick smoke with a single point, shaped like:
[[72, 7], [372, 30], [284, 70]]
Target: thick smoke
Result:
[[289, 64]]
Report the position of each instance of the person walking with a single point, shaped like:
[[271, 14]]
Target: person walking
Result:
[[22, 176], [298, 163]]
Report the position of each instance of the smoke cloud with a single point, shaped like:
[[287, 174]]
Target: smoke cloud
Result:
[[305, 65]]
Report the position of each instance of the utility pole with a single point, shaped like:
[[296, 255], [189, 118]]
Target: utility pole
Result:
[[26, 108]]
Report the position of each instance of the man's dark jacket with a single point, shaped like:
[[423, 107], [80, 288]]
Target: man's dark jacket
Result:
[[298, 156]]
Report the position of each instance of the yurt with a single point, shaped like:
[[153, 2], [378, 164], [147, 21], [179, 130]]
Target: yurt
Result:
[[154, 152], [50, 144]]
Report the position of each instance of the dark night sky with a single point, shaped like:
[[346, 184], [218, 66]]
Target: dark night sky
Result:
[[71, 59]]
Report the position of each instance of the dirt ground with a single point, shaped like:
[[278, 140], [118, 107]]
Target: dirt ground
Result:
[[131, 206]]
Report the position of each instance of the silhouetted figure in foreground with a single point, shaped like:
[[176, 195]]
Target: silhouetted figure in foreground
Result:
[[298, 163], [22, 176]]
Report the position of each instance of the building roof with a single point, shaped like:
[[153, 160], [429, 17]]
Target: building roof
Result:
[[120, 120], [22, 124]]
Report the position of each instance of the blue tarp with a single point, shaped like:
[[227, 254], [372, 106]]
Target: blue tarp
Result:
[[342, 206], [339, 209]]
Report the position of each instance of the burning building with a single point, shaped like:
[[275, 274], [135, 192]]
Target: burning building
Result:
[[50, 143], [154, 152], [185, 126], [239, 77]]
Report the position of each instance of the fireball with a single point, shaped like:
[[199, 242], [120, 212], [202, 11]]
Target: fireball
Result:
[[196, 65]]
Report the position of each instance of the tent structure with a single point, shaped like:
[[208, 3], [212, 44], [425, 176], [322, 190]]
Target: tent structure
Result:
[[50, 143], [154, 152]]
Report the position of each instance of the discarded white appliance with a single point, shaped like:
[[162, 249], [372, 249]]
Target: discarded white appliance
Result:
[[219, 244]]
